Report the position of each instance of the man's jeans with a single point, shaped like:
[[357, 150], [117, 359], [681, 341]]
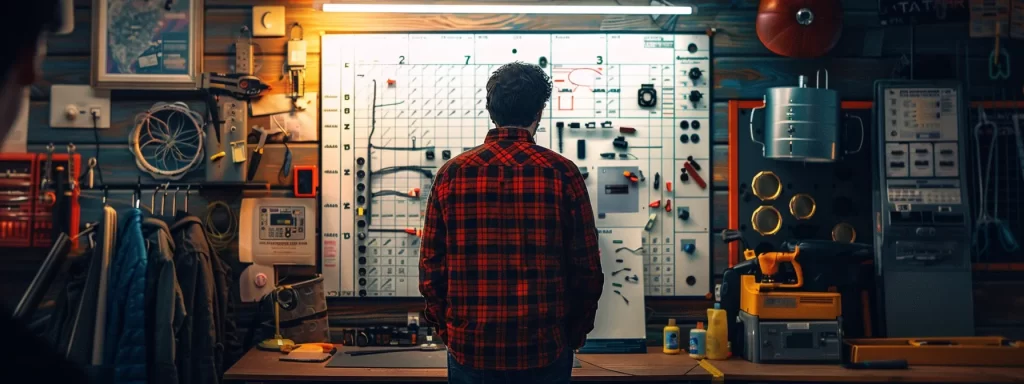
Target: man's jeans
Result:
[[558, 372]]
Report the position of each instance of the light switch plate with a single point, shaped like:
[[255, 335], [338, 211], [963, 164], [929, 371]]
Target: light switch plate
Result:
[[268, 21], [71, 106]]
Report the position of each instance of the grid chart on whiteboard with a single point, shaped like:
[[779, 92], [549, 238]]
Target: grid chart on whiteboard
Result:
[[423, 98]]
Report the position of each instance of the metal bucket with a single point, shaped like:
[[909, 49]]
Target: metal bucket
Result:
[[801, 124]]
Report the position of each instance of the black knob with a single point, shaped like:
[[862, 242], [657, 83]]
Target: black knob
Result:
[[361, 235], [362, 293], [430, 155], [684, 214], [684, 124], [360, 161], [692, 48], [695, 124], [361, 200], [362, 281], [362, 261], [362, 249], [695, 96], [362, 271], [360, 187], [694, 138], [361, 174], [684, 138], [361, 223], [695, 73]]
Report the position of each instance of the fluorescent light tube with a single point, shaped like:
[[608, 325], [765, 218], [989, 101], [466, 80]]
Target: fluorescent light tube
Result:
[[515, 9]]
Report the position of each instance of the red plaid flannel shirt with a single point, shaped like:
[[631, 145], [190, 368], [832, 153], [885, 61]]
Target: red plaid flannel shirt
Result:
[[509, 264]]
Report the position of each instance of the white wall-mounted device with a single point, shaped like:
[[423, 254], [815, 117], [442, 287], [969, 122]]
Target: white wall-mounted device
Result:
[[268, 21], [277, 231], [71, 106]]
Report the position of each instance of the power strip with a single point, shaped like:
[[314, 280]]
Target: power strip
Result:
[[244, 55]]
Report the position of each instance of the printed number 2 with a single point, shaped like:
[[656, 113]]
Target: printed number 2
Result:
[[600, 59], [467, 59], [401, 59]]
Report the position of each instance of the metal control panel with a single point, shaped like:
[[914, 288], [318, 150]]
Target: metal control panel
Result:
[[922, 213], [282, 223]]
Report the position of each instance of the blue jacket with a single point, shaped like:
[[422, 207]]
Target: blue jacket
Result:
[[125, 344]]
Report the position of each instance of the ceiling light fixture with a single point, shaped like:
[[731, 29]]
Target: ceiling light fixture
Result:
[[504, 9]]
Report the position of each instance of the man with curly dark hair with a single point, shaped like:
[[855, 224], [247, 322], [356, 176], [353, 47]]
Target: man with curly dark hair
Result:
[[509, 263]]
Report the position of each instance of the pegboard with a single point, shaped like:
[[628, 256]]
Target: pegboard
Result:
[[422, 96], [782, 206]]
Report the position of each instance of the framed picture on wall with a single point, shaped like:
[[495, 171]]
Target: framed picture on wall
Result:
[[147, 44]]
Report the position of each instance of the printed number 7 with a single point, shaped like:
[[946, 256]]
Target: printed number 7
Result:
[[467, 59]]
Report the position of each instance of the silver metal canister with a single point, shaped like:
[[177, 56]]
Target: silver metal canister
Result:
[[801, 123]]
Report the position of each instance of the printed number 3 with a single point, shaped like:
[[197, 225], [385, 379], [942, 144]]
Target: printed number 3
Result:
[[401, 59], [600, 59]]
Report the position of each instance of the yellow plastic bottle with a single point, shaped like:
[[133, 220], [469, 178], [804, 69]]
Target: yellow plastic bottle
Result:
[[718, 334], [671, 335]]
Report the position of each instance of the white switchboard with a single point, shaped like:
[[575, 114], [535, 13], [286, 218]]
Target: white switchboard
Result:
[[423, 98]]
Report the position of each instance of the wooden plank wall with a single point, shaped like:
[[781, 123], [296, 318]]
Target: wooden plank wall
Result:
[[743, 68]]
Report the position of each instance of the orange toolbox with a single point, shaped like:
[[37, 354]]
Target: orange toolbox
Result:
[[27, 206]]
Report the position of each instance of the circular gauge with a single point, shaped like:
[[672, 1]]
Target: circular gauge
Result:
[[802, 206], [766, 220], [844, 233], [766, 186]]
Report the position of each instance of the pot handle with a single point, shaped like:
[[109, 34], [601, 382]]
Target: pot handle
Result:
[[752, 113], [862, 133]]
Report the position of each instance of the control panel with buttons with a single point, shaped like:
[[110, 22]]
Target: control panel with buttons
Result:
[[277, 230], [282, 223], [637, 103]]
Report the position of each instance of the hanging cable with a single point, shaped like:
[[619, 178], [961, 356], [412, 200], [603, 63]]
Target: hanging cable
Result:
[[167, 148], [220, 239]]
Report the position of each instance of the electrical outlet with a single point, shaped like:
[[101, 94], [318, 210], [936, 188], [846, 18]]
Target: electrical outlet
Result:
[[70, 106]]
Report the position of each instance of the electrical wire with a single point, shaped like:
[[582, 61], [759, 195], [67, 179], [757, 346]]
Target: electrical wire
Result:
[[169, 136], [985, 221], [638, 251], [286, 165], [96, 137], [394, 193], [369, 154], [220, 239], [410, 168]]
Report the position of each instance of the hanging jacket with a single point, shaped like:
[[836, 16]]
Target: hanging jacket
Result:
[[227, 332], [165, 309], [197, 348], [125, 347]]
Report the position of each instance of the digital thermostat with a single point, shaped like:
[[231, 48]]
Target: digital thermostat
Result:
[[277, 231]]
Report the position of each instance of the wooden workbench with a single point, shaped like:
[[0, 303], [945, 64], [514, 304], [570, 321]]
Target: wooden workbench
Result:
[[653, 367], [738, 370]]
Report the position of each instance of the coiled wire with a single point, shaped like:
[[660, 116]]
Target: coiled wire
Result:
[[169, 146], [220, 239]]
